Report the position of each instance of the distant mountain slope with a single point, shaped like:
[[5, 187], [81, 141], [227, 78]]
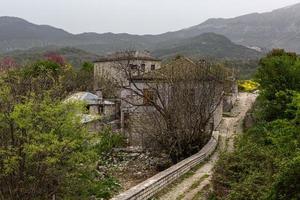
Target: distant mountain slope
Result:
[[13, 28], [206, 45], [18, 34], [75, 57], [277, 29]]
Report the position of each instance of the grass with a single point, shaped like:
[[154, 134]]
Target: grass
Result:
[[198, 182], [193, 186], [200, 194]]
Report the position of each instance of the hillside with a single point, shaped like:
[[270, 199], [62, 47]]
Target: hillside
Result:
[[18, 34], [206, 45], [277, 29], [75, 57]]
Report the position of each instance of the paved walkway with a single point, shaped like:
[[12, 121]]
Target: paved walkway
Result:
[[191, 187]]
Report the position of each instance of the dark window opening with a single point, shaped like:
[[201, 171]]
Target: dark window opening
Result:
[[152, 67], [133, 67], [143, 66], [126, 120]]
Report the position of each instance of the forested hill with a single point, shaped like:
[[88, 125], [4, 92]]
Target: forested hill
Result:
[[206, 45], [73, 56], [277, 29]]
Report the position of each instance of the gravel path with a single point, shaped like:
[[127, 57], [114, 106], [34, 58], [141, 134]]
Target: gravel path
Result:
[[190, 187]]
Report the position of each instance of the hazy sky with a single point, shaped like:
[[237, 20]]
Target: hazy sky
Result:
[[131, 16]]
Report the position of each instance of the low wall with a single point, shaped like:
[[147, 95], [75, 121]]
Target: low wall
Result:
[[153, 185]]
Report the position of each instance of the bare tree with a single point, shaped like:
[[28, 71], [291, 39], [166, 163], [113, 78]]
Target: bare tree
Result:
[[172, 108]]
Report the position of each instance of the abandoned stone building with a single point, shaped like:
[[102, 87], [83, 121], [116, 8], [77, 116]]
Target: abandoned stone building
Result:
[[135, 72], [143, 89], [98, 110], [112, 67]]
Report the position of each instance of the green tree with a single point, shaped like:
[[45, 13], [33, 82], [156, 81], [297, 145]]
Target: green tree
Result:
[[85, 78], [278, 75], [47, 153], [287, 185], [44, 149]]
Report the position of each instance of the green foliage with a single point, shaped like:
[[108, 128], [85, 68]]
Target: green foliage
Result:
[[44, 149], [278, 76], [109, 140], [249, 172], [287, 185], [88, 67], [265, 164], [74, 56], [84, 77]]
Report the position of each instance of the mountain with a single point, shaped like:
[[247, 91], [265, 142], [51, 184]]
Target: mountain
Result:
[[206, 45], [18, 34], [277, 29]]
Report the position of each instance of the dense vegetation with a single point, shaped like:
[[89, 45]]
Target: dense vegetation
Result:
[[75, 57], [266, 161], [45, 152]]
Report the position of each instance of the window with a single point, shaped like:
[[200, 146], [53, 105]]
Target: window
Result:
[[143, 66], [133, 67], [149, 97], [152, 67], [126, 120]]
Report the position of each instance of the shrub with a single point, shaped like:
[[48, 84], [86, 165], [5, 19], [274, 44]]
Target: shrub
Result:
[[248, 85]]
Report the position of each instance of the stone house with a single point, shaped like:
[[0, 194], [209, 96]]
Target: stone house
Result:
[[143, 69], [98, 110], [133, 106], [112, 67]]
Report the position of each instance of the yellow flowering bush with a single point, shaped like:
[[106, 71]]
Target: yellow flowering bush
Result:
[[248, 85]]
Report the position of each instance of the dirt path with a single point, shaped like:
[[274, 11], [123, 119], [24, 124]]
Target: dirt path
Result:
[[191, 187]]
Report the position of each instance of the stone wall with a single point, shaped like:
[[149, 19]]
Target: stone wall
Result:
[[152, 186]]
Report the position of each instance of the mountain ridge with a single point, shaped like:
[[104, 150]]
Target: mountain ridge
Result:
[[279, 28]]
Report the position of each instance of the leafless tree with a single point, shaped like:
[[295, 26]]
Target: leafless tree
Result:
[[172, 108]]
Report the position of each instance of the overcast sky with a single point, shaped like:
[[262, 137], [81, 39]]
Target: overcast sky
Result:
[[131, 16]]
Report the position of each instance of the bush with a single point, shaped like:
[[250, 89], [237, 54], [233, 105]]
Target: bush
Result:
[[251, 170], [248, 85]]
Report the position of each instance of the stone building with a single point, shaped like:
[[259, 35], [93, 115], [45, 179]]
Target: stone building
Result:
[[98, 110], [135, 72], [112, 66], [136, 97]]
